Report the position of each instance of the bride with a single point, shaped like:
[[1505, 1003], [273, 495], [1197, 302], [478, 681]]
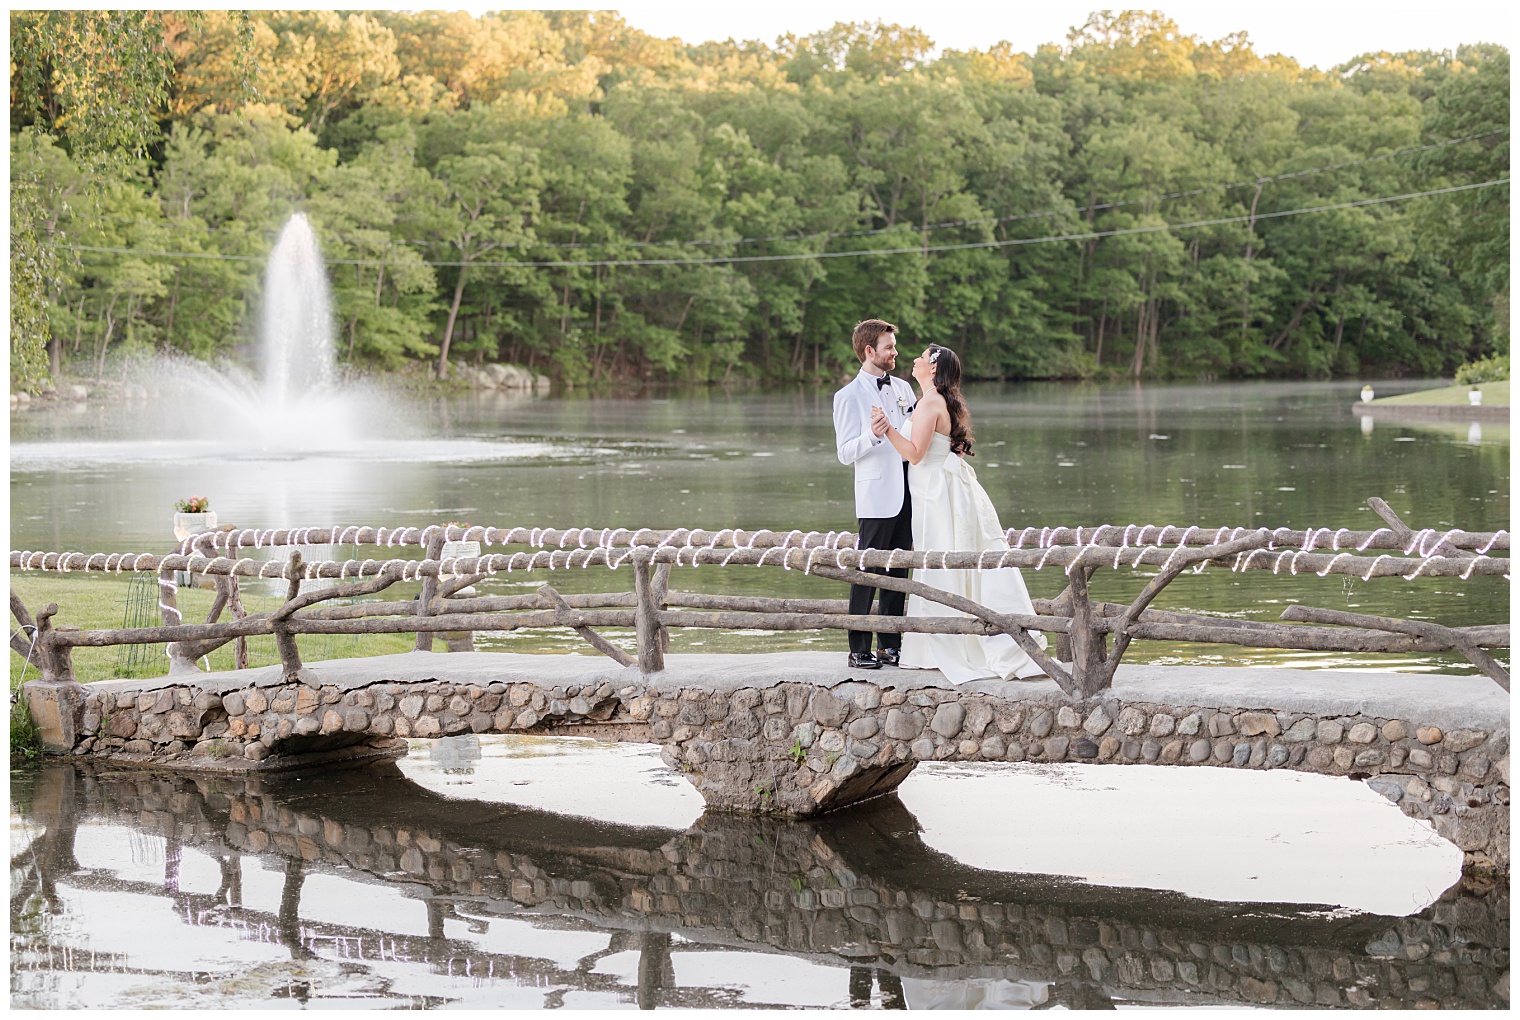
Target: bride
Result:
[[952, 511]]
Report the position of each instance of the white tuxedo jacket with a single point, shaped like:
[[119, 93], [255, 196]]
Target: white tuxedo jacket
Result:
[[879, 481]]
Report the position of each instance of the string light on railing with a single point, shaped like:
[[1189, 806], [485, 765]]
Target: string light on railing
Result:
[[598, 548], [1146, 536], [166, 594]]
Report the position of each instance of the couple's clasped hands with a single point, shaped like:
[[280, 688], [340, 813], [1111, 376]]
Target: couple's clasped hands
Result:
[[879, 421]]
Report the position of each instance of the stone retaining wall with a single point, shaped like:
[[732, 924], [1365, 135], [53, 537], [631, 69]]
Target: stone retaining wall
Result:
[[798, 749]]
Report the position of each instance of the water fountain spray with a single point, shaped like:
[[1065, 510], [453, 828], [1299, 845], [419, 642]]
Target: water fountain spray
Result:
[[296, 326]]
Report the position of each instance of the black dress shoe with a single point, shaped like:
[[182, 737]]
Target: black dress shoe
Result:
[[887, 656], [863, 660]]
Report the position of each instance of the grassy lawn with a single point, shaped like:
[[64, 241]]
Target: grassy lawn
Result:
[[1495, 394], [98, 602]]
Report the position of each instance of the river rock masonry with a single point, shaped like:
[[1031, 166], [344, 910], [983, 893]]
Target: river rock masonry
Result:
[[799, 749]]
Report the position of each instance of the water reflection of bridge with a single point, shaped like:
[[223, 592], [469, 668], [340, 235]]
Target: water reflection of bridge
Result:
[[860, 890], [358, 944]]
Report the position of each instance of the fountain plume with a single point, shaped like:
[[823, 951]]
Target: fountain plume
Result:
[[295, 402], [296, 325]]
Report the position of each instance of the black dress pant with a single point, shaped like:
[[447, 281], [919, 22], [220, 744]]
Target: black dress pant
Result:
[[883, 533]]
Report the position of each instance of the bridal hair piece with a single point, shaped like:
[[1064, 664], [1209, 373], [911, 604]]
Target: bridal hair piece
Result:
[[947, 380]]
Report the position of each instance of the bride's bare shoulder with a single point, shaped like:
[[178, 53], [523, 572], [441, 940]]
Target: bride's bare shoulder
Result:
[[933, 404], [933, 408]]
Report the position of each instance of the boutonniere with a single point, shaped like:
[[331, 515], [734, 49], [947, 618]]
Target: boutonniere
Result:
[[902, 404]]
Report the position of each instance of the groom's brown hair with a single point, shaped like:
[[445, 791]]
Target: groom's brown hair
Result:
[[867, 333]]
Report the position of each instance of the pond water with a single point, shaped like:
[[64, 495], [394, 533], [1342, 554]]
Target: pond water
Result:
[[454, 880], [103, 478], [491, 872]]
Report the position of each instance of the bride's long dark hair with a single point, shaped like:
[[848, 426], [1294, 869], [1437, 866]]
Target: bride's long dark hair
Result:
[[947, 379]]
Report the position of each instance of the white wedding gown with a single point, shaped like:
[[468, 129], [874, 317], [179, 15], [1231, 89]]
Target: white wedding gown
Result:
[[951, 511]]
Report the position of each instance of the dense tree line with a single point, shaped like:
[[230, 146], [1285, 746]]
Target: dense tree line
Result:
[[481, 186]]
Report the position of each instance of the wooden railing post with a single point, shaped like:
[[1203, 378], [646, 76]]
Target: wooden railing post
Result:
[[1088, 651], [56, 702], [646, 614], [429, 592], [55, 659], [168, 603], [284, 640], [661, 587], [1061, 606], [168, 607], [235, 603]]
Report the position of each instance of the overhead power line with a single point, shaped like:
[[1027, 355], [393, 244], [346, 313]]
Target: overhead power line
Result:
[[864, 252], [943, 225]]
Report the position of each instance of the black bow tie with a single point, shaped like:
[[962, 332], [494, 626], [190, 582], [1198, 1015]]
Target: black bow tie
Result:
[[884, 382]]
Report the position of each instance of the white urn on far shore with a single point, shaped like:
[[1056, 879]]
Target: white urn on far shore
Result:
[[1475, 397], [193, 516], [1367, 394]]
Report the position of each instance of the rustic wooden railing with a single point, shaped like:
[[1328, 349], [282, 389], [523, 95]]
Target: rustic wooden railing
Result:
[[1082, 626]]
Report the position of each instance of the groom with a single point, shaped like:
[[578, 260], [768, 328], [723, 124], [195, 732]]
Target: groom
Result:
[[881, 477]]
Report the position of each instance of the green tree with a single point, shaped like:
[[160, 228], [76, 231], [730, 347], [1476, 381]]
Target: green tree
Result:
[[854, 51], [98, 79], [603, 204], [489, 204], [329, 60], [1474, 225], [383, 309]]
